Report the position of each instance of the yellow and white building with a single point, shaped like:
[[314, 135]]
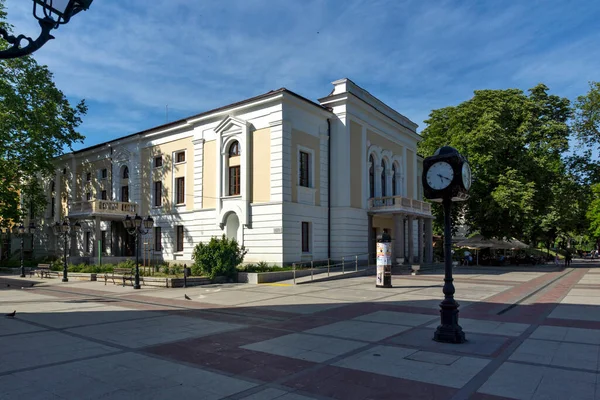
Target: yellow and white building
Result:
[[291, 179]]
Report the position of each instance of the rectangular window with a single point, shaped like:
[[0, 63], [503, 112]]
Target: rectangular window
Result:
[[157, 238], [157, 161], [88, 196], [103, 195], [88, 242], [304, 169], [180, 186], [157, 194], [125, 194], [104, 242], [180, 157], [234, 180], [305, 237], [179, 244], [104, 173], [88, 176]]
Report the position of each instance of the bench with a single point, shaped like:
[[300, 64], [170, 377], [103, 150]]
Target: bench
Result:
[[42, 269], [126, 273]]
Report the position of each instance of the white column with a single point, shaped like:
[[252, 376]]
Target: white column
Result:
[[415, 180], [404, 173], [398, 246], [198, 159], [428, 240], [420, 239], [364, 163], [410, 236]]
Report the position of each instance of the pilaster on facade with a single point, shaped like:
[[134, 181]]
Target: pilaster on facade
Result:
[[323, 169], [286, 160], [404, 172], [364, 167], [410, 235], [398, 245], [198, 171], [58, 211], [277, 189]]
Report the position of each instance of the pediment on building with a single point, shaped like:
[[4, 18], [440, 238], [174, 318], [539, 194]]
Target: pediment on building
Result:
[[232, 128], [121, 155]]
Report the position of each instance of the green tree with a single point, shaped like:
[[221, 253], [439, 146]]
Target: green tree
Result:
[[514, 142], [587, 116], [593, 215], [37, 123]]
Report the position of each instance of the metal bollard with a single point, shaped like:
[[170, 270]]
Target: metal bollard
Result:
[[343, 266], [294, 268], [311, 270]]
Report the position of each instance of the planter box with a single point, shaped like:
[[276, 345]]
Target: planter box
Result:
[[276, 276]]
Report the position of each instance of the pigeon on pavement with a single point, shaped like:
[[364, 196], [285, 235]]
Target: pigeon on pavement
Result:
[[186, 296], [11, 315]]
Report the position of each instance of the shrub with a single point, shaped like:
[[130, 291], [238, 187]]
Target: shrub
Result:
[[219, 257]]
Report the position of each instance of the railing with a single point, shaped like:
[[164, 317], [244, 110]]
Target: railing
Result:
[[398, 202], [103, 207], [342, 264]]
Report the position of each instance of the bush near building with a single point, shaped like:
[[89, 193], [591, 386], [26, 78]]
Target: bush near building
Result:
[[219, 257]]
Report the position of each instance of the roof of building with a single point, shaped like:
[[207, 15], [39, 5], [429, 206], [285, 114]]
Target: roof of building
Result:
[[205, 113]]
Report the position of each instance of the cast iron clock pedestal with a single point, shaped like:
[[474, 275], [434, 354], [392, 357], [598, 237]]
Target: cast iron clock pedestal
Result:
[[449, 331], [447, 178]]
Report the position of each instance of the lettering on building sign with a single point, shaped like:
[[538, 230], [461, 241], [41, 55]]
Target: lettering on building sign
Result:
[[388, 201]]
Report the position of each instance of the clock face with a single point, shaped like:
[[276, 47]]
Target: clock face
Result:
[[466, 175], [440, 175]]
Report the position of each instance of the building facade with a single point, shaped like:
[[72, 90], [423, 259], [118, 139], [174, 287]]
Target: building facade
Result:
[[290, 179]]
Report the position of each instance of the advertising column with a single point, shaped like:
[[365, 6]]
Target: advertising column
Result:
[[384, 261]]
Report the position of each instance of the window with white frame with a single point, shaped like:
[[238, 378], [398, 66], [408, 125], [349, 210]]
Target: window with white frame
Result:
[[306, 164], [179, 238], [234, 169], [157, 238], [180, 157], [180, 190], [158, 162], [157, 193]]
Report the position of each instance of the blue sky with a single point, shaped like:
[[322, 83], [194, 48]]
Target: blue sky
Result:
[[131, 58]]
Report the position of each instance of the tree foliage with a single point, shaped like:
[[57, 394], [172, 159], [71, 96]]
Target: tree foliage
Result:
[[514, 142], [587, 115], [37, 123]]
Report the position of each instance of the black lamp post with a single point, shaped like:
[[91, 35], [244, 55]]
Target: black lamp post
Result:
[[50, 15], [21, 231], [63, 230], [134, 227]]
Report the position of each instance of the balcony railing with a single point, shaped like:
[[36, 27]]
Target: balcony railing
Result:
[[102, 208], [399, 203]]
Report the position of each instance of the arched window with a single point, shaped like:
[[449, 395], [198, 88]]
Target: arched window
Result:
[[394, 188], [234, 169], [371, 177], [125, 172], [383, 188], [234, 149]]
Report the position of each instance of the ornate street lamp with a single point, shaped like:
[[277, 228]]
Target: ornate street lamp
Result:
[[63, 230], [50, 15], [21, 233], [134, 227]]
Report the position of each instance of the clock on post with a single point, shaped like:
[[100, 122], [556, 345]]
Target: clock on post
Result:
[[447, 178], [446, 175]]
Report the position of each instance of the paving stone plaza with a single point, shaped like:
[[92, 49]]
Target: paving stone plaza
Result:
[[533, 333]]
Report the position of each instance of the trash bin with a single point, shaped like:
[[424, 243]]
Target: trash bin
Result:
[[384, 261]]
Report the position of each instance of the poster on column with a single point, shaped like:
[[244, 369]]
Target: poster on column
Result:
[[384, 259]]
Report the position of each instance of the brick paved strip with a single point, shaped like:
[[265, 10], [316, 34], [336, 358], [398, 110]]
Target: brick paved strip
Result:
[[222, 353], [496, 303], [346, 384]]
